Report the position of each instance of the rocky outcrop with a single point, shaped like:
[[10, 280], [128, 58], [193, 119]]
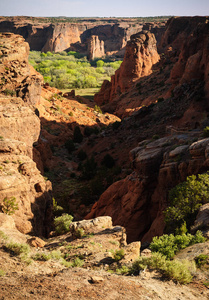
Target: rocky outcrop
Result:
[[137, 202], [17, 77], [140, 56], [95, 48], [20, 180]]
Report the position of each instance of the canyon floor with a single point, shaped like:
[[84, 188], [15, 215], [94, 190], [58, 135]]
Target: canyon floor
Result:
[[38, 279]]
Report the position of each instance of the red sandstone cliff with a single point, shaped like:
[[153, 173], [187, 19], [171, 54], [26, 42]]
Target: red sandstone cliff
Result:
[[19, 129], [140, 56]]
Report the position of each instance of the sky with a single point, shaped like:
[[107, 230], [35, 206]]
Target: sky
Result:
[[103, 8]]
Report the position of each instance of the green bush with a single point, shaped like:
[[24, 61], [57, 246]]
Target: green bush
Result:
[[169, 245], [201, 260], [118, 254], [77, 135], [185, 200], [100, 63], [206, 132], [77, 262], [180, 271], [17, 249], [62, 223], [9, 206], [97, 109]]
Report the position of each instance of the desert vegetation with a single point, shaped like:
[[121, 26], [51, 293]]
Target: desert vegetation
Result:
[[71, 70]]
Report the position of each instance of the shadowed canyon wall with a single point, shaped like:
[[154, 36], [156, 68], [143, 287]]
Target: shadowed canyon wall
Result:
[[20, 179]]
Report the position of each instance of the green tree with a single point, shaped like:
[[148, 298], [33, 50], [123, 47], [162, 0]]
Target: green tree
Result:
[[185, 199], [100, 63]]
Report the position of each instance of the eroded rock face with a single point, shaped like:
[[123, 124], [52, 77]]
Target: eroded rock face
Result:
[[141, 54], [137, 202], [17, 77], [19, 176], [20, 128], [95, 47]]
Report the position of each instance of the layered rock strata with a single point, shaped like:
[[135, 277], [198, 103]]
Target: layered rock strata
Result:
[[140, 56]]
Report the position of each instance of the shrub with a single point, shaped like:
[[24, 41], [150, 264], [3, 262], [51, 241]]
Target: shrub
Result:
[[2, 273], [118, 254], [9, 206], [100, 63], [168, 245], [17, 249], [77, 262], [180, 271], [206, 132], [9, 92], [97, 109], [201, 260], [69, 145], [41, 256], [108, 161], [62, 223], [56, 208], [77, 135], [185, 199], [79, 233], [123, 270]]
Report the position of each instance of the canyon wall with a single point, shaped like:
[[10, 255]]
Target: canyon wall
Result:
[[75, 36], [137, 202], [20, 179]]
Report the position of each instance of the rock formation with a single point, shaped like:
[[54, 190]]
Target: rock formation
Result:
[[57, 37], [137, 201], [17, 77], [140, 56], [95, 48], [20, 179]]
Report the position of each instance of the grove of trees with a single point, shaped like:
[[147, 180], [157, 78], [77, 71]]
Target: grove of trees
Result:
[[69, 70]]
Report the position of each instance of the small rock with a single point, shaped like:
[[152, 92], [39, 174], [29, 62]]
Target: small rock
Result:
[[146, 253], [36, 242], [96, 279]]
